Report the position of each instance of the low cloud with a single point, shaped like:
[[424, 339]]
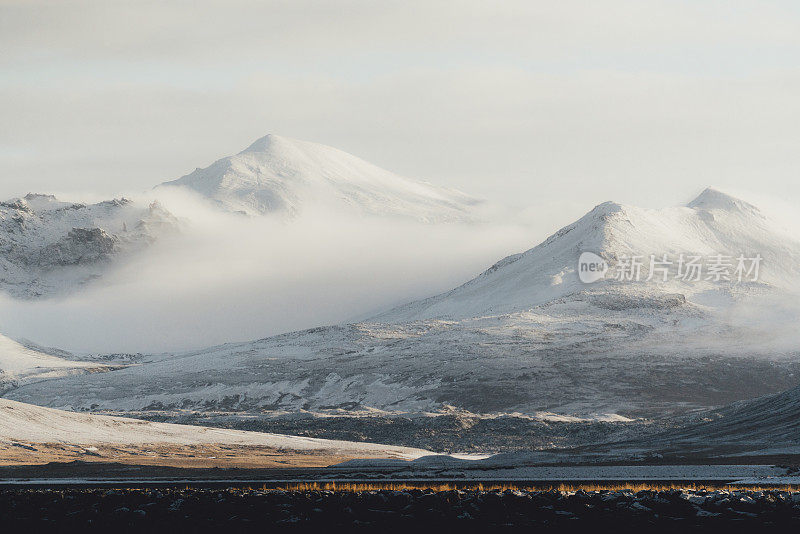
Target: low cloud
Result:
[[227, 277]]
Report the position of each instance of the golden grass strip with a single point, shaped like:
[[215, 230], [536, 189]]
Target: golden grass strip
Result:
[[561, 487]]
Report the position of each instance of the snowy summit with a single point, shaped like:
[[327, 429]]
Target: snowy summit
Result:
[[712, 224], [283, 176]]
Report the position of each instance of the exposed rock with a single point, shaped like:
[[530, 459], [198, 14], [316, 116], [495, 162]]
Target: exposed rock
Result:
[[49, 247]]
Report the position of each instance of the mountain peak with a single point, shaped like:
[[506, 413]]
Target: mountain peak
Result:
[[713, 199], [280, 175], [716, 224], [263, 144], [606, 209]]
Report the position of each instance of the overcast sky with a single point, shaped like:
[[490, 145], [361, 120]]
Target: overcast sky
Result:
[[532, 102]]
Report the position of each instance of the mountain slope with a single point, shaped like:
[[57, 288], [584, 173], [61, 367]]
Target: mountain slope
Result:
[[526, 336], [286, 176], [32, 428], [750, 431], [49, 247], [712, 224], [765, 425], [22, 365]]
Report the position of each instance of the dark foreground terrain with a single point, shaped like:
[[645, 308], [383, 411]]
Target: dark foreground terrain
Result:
[[251, 510], [461, 432]]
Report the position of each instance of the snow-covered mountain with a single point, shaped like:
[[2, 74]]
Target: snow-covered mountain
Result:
[[713, 224], [286, 177], [526, 336], [49, 247]]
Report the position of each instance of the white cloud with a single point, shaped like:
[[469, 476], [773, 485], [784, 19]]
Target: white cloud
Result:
[[228, 278]]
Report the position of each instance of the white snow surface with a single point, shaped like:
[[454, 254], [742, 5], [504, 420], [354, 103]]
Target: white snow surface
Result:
[[22, 365], [279, 175], [49, 247], [33, 424]]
